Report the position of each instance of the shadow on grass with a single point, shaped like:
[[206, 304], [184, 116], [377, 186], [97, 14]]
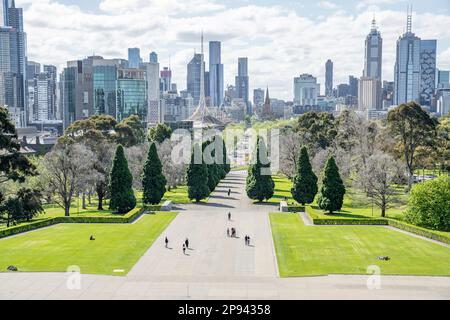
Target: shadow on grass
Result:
[[341, 214]]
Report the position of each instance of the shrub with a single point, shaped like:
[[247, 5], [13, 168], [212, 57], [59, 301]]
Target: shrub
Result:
[[429, 204]]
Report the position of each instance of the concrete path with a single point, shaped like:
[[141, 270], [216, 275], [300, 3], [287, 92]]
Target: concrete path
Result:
[[218, 267]]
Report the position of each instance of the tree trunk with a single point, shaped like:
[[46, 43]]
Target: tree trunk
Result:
[[83, 201], [100, 201], [89, 198], [67, 210]]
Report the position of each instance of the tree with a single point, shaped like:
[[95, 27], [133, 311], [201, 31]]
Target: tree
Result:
[[130, 131], [98, 134], [175, 173], [14, 166], [412, 127], [379, 177], [65, 167], [197, 176], [290, 147], [332, 193], [153, 181], [429, 204], [305, 188], [318, 129], [260, 185], [159, 133], [121, 184]]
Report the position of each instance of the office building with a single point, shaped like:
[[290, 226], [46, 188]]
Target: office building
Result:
[[369, 94], [104, 82], [216, 73], [329, 78], [427, 72], [306, 90], [353, 83], [407, 73], [131, 94], [373, 53], [193, 77], [258, 98], [242, 82], [153, 92], [166, 80], [134, 58]]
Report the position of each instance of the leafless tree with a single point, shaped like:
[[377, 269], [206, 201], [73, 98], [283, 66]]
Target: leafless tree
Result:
[[136, 157], [290, 144], [66, 166], [379, 176], [175, 173]]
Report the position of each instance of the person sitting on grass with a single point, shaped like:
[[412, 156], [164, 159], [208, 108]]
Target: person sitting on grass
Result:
[[92, 238]]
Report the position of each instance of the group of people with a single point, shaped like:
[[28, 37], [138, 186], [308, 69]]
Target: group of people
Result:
[[184, 247], [233, 233]]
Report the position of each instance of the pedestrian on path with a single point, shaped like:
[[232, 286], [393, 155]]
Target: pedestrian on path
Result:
[[229, 192], [186, 242], [184, 249], [228, 232], [229, 216], [167, 242], [245, 240], [248, 240]]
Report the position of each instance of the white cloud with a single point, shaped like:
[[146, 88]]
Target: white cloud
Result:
[[279, 42], [327, 5]]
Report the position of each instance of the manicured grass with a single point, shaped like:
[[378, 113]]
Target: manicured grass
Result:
[[356, 204], [320, 250], [53, 249]]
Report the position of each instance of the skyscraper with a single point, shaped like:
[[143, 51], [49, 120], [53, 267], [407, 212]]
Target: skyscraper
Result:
[[258, 98], [353, 83], [13, 63], [134, 57], [242, 82], [373, 53], [153, 86], [329, 78], [194, 68], [131, 94], [427, 72], [153, 57], [370, 94], [166, 79], [407, 73], [216, 76]]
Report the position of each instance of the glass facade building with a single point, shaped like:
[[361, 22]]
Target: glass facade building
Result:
[[105, 80], [131, 94]]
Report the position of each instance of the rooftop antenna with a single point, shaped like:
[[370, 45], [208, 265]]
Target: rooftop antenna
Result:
[[409, 20], [374, 22]]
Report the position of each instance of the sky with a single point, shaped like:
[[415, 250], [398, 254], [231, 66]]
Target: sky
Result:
[[282, 38]]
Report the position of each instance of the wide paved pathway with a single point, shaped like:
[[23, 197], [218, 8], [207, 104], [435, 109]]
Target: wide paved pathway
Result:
[[217, 267]]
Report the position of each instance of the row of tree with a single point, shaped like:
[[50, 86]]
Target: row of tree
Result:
[[209, 165]]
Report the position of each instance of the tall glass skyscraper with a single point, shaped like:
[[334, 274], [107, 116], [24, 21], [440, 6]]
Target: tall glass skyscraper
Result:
[[407, 67], [242, 82], [105, 79], [329, 78], [216, 76], [13, 62], [193, 77], [373, 53], [134, 57]]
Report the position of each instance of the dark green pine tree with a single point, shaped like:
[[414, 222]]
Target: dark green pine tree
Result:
[[305, 188], [260, 185], [153, 180], [332, 193], [121, 184], [197, 176]]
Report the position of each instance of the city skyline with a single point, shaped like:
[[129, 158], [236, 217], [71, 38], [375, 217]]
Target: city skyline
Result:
[[275, 56]]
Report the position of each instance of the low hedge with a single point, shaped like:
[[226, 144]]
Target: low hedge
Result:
[[381, 222], [127, 218], [296, 208], [351, 222], [419, 231]]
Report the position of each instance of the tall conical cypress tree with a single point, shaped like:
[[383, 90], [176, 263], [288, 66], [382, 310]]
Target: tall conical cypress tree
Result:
[[332, 193], [153, 180], [305, 188], [213, 174], [197, 177], [121, 184], [260, 185]]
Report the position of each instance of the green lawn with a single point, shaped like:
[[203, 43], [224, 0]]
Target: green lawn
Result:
[[356, 203], [117, 246], [320, 250]]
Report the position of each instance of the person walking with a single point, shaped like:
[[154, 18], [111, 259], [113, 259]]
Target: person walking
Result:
[[229, 192], [186, 242], [248, 240], [228, 232], [184, 249], [229, 216], [245, 239], [167, 242]]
